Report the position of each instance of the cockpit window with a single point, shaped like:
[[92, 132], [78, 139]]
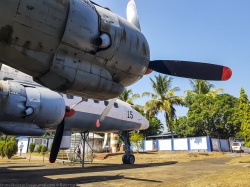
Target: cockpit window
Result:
[[96, 101]]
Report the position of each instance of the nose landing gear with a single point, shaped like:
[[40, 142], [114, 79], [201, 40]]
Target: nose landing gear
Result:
[[128, 157]]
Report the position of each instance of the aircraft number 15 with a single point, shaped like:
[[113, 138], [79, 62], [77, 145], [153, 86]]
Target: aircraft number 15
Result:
[[130, 114]]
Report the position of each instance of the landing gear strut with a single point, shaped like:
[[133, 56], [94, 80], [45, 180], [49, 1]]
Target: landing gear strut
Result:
[[128, 157], [85, 136]]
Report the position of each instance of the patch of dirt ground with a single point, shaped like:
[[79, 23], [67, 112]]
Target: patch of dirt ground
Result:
[[150, 169]]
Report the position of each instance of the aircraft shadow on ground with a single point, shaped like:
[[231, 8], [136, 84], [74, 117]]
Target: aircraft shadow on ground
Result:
[[39, 176]]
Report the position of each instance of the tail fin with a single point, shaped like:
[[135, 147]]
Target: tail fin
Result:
[[132, 15]]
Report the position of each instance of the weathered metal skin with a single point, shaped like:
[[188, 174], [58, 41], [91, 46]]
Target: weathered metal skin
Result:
[[30, 33], [21, 129], [54, 41], [29, 104]]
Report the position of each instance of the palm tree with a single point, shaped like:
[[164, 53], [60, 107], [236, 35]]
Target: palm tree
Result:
[[202, 87], [128, 96], [163, 100]]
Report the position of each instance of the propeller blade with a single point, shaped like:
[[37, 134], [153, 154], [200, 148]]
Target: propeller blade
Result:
[[132, 15], [57, 142], [105, 112], [193, 70]]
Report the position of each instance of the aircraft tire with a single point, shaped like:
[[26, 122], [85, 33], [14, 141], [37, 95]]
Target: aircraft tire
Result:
[[124, 159], [131, 159], [128, 160]]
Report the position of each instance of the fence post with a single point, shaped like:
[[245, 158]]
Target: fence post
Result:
[[188, 142], [172, 143], [209, 147]]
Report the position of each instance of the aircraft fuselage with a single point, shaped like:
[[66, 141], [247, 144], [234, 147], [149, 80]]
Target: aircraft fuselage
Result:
[[31, 109]]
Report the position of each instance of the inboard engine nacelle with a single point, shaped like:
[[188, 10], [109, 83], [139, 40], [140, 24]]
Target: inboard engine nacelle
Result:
[[72, 46], [27, 109]]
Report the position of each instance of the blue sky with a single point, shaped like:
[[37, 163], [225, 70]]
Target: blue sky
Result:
[[206, 31]]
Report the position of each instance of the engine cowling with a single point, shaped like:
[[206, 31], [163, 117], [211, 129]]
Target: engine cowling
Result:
[[23, 103], [72, 46]]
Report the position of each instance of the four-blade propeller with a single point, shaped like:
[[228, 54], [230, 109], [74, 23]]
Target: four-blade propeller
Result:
[[187, 69]]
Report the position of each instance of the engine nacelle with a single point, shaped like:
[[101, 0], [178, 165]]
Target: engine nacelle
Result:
[[66, 140], [72, 46], [29, 104], [21, 129]]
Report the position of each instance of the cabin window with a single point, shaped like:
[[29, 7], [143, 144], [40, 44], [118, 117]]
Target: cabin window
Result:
[[116, 105], [96, 101], [106, 103], [70, 96]]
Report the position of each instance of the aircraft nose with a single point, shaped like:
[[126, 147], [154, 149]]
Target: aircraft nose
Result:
[[145, 124]]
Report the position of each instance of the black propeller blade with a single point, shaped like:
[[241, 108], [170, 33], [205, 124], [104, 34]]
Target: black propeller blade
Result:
[[69, 112], [57, 142], [193, 70]]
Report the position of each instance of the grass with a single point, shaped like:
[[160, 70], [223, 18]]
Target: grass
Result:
[[240, 160], [237, 177], [225, 178]]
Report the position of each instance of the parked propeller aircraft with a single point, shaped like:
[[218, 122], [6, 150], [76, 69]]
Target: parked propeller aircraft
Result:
[[81, 48], [28, 108]]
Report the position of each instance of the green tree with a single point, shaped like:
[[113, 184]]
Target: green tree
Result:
[[245, 126], [182, 127], [242, 117], [32, 147], [202, 87], [136, 140], [10, 148], [155, 127], [43, 149], [163, 100], [50, 146], [2, 137], [128, 96], [39, 148], [209, 116], [2, 144]]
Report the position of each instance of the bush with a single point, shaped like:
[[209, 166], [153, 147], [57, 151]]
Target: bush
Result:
[[10, 149], [2, 143], [39, 148], [32, 147], [136, 140], [50, 147], [43, 149]]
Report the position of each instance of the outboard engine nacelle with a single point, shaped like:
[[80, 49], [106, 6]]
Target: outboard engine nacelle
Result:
[[24, 103]]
